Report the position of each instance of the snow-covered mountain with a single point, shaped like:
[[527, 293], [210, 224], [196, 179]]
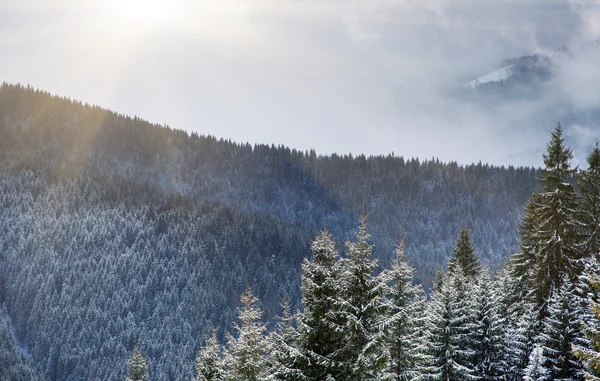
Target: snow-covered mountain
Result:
[[542, 90], [495, 76]]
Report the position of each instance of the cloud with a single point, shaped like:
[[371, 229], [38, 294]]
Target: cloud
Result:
[[365, 76]]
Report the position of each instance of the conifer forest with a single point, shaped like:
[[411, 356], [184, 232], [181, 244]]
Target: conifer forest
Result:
[[133, 251]]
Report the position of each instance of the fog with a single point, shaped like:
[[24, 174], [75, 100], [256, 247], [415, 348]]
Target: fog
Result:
[[367, 76]]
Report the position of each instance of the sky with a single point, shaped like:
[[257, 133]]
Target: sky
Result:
[[343, 76]]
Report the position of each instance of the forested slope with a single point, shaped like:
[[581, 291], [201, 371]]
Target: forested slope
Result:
[[114, 231]]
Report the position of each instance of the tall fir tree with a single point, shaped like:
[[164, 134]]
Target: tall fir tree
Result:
[[321, 323], [519, 341], [365, 351], [209, 363], [589, 184], [286, 358], [536, 370], [589, 354], [488, 324], [519, 322], [524, 262], [464, 256], [139, 368], [559, 331], [450, 333], [404, 310], [557, 232], [246, 354]]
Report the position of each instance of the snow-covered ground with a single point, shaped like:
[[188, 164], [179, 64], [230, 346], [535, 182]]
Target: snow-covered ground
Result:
[[495, 76]]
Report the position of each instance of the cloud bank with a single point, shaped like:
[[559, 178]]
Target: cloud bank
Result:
[[365, 76]]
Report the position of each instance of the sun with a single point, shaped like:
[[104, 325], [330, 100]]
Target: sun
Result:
[[149, 12]]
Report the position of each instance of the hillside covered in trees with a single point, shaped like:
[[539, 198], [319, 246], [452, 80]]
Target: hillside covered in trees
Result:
[[535, 319], [115, 232]]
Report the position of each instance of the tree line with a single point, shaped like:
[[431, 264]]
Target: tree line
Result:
[[536, 318]]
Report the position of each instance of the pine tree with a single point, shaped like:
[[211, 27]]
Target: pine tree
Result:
[[464, 256], [321, 323], [519, 341], [536, 370], [488, 324], [450, 332], [286, 358], [523, 263], [139, 369], [246, 354], [363, 306], [404, 308], [589, 354], [209, 364], [589, 184], [559, 330], [438, 281], [554, 234]]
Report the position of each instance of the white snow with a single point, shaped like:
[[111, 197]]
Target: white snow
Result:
[[495, 76]]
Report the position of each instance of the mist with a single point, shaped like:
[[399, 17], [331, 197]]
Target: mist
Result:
[[371, 77]]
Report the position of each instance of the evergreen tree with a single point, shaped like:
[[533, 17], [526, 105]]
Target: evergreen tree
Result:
[[209, 364], [559, 330], [450, 332], [363, 305], [438, 281], [556, 238], [523, 263], [246, 354], [589, 354], [519, 342], [464, 256], [139, 369], [321, 323], [404, 308], [559, 238], [536, 370], [589, 184], [286, 358], [488, 359]]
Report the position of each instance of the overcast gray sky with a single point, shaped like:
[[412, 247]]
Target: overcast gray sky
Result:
[[368, 76]]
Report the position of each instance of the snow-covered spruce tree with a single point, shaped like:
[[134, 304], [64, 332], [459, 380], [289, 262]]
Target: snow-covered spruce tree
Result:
[[450, 332], [139, 369], [559, 329], [519, 322], [585, 295], [285, 357], [589, 185], [404, 308], [519, 340], [488, 359], [438, 281], [209, 364], [365, 351], [536, 370], [246, 355], [464, 256], [589, 354], [560, 242], [321, 324], [523, 263]]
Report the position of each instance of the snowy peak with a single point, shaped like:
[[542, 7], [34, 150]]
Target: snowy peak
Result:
[[495, 76]]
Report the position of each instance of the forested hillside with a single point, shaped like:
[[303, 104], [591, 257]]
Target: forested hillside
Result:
[[536, 319], [115, 232]]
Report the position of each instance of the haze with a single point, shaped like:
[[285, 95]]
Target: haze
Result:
[[371, 77]]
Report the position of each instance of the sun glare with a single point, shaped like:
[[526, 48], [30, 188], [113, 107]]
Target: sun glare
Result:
[[145, 11]]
